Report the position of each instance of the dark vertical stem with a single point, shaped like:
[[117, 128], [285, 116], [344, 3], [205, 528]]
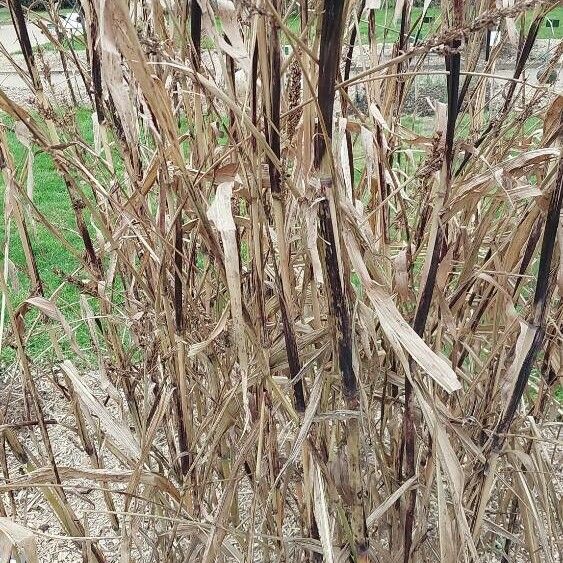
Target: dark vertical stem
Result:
[[338, 305], [331, 37], [402, 46], [179, 319], [541, 299], [453, 66], [231, 79], [488, 45], [78, 206], [382, 184], [20, 26], [329, 57], [328, 66], [95, 65], [275, 92], [254, 92], [178, 265], [504, 558], [277, 196], [292, 357], [257, 270], [347, 68], [195, 31], [453, 61], [304, 13]]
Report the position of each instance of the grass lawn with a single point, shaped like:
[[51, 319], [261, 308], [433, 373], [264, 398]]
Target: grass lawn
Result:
[[5, 14], [387, 30], [77, 42], [51, 197]]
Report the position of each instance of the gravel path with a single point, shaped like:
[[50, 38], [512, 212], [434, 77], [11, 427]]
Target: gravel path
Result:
[[57, 85], [9, 38]]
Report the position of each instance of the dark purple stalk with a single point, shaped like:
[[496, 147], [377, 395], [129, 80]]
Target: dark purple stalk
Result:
[[542, 296], [329, 57], [20, 26], [277, 194], [453, 66], [195, 32]]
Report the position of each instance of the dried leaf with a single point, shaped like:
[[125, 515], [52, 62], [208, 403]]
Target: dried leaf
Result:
[[220, 213], [49, 309], [322, 514], [17, 540], [398, 331], [116, 429]]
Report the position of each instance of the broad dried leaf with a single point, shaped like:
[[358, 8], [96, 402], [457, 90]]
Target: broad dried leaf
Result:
[[18, 540], [322, 513], [116, 429], [397, 330], [220, 213], [49, 309]]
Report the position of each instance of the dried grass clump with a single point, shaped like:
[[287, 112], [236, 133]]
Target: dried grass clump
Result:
[[306, 329]]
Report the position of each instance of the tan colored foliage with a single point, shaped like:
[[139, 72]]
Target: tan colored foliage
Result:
[[318, 331]]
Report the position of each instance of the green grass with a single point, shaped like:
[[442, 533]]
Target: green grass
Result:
[[545, 31], [5, 14], [51, 198], [387, 31], [76, 42]]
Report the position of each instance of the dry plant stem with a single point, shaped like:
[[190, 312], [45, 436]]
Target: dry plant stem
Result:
[[542, 296], [56, 496], [535, 335], [408, 420], [182, 398], [61, 38], [8, 173], [400, 48], [521, 60], [286, 295], [257, 232], [423, 308], [195, 30], [347, 68], [331, 35], [18, 19]]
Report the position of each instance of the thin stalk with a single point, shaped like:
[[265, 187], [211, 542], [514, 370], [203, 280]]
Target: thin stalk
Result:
[[423, 308], [347, 68], [195, 31], [519, 67], [18, 19], [542, 296], [278, 210], [339, 308]]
